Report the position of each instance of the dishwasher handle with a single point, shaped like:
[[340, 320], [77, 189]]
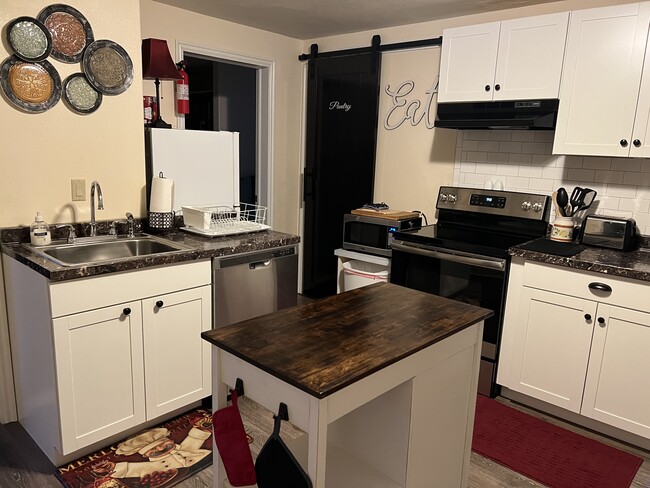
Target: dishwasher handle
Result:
[[260, 264]]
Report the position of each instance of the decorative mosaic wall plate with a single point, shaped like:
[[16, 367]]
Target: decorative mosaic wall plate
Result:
[[79, 95], [108, 67], [29, 39], [70, 30], [33, 87]]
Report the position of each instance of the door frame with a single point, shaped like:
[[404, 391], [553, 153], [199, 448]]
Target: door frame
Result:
[[265, 75]]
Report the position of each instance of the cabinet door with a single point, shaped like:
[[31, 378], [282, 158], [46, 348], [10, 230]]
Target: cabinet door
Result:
[[552, 347], [640, 145], [100, 376], [467, 63], [600, 80], [617, 390], [177, 360], [529, 60]]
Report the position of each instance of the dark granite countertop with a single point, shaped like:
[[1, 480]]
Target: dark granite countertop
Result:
[[198, 248], [326, 345], [632, 264]]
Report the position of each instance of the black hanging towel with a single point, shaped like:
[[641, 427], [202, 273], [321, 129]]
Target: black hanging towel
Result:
[[342, 114], [276, 466]]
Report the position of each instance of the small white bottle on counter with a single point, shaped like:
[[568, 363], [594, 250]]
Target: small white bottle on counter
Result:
[[39, 232]]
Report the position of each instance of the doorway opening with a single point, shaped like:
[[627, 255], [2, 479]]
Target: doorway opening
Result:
[[223, 96], [231, 92]]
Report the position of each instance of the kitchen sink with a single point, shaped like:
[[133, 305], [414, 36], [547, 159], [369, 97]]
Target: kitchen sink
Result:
[[94, 250]]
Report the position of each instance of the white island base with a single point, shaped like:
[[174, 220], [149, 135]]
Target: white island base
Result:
[[408, 425]]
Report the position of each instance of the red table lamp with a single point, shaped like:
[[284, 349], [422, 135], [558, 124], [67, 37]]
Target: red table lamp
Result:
[[157, 64]]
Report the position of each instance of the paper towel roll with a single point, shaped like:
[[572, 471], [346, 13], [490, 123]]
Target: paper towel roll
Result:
[[162, 190]]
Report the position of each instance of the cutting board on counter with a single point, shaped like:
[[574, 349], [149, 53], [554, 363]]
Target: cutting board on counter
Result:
[[386, 214]]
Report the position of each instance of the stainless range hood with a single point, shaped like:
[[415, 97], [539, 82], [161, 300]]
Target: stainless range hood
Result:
[[515, 114]]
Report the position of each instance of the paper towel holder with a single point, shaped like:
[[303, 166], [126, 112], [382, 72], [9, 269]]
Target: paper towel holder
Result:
[[161, 221]]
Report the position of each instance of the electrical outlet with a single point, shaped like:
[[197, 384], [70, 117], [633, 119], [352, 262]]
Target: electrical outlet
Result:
[[78, 190]]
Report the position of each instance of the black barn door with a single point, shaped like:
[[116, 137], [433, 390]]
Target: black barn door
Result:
[[342, 111]]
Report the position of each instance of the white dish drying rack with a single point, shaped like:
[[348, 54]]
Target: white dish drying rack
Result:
[[224, 220]]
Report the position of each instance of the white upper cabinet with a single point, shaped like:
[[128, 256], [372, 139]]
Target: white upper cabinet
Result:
[[511, 60], [600, 83]]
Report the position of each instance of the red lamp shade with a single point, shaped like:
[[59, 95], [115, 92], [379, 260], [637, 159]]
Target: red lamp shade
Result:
[[157, 62]]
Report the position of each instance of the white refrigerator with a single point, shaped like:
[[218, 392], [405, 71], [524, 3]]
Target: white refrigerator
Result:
[[203, 164]]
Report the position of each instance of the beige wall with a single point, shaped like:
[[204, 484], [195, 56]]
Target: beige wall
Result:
[[40, 153], [181, 26]]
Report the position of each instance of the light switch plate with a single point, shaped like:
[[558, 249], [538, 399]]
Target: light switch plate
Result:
[[78, 190]]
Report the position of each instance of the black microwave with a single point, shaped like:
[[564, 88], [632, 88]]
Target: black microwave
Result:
[[373, 235]]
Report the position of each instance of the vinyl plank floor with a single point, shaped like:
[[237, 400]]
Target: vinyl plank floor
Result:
[[23, 464]]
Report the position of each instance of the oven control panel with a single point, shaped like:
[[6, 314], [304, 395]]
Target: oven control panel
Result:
[[507, 203]]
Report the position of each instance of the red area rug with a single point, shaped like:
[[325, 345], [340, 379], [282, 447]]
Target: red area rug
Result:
[[554, 456], [159, 457]]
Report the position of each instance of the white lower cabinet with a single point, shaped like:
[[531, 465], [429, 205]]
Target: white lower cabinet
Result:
[[95, 357], [566, 341]]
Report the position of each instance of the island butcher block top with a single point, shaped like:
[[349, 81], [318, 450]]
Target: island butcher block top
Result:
[[326, 345]]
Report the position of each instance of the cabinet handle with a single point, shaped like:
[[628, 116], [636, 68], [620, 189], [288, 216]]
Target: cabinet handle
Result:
[[587, 317], [126, 311], [497, 87], [600, 286], [623, 142], [159, 304], [601, 320], [636, 142], [487, 87]]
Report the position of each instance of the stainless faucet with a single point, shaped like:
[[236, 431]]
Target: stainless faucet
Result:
[[100, 206], [131, 222]]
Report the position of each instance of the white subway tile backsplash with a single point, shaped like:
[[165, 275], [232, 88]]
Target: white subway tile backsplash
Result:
[[477, 157], [639, 179], [553, 173], [500, 135], [523, 160], [534, 147], [523, 136], [581, 174], [489, 146], [591, 162], [544, 135], [510, 147], [496, 157], [466, 167], [470, 145], [486, 169], [621, 191], [530, 171], [507, 170], [609, 176], [520, 159]]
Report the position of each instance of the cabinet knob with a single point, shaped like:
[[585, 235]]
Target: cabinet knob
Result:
[[487, 87], [126, 311], [636, 142], [159, 304], [600, 286], [601, 320], [497, 87], [587, 317], [623, 142]]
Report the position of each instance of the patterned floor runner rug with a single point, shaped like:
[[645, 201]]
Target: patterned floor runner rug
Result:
[[554, 456], [159, 457]]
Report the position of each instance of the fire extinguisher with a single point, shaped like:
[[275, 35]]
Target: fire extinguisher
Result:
[[182, 89]]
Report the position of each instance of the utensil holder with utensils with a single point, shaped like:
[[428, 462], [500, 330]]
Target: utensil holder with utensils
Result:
[[562, 230]]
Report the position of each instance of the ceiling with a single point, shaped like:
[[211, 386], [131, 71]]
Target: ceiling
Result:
[[308, 19]]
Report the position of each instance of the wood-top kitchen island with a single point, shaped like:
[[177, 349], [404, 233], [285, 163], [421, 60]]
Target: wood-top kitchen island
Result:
[[381, 379]]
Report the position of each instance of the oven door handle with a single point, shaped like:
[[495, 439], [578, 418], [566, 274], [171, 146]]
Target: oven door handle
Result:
[[496, 264]]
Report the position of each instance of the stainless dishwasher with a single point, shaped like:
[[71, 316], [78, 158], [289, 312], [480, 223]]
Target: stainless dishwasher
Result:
[[252, 284]]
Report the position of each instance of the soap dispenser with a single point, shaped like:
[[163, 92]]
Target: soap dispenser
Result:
[[39, 231]]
